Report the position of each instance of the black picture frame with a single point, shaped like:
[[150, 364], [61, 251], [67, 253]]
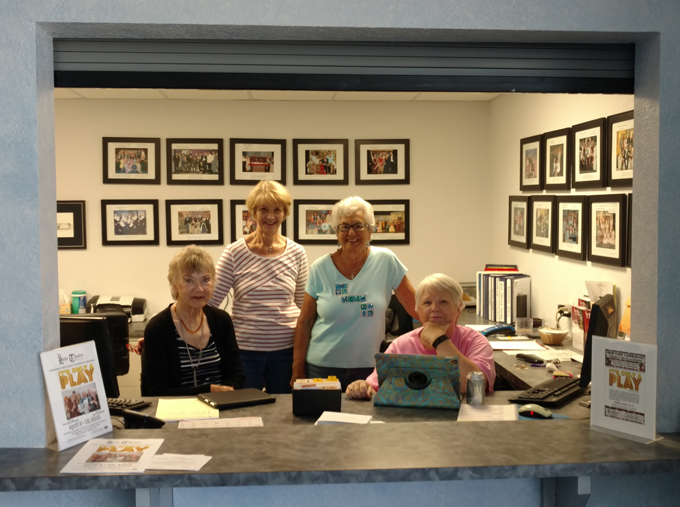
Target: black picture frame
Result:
[[194, 221], [393, 215], [131, 160], [589, 152], [71, 226], [247, 171], [146, 234], [302, 231], [607, 241], [202, 165], [620, 137], [571, 225], [519, 221], [334, 172], [531, 163], [629, 243], [543, 223], [237, 208], [375, 164], [557, 160]]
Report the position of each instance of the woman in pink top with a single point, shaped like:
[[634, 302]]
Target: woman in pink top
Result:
[[439, 301]]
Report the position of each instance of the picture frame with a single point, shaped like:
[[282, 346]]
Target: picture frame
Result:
[[127, 222], [382, 162], [519, 221], [608, 229], [620, 130], [194, 161], [194, 221], [71, 229], [543, 223], [320, 162], [571, 221], [531, 163], [240, 220], [392, 222], [310, 216], [255, 160], [132, 160], [629, 242], [557, 164], [588, 146]]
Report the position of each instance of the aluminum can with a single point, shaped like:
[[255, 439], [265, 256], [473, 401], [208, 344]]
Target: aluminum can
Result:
[[476, 386]]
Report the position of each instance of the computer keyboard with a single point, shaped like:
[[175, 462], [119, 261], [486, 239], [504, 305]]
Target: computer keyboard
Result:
[[551, 393], [117, 405]]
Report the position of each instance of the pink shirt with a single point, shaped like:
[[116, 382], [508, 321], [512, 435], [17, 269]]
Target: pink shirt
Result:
[[469, 342]]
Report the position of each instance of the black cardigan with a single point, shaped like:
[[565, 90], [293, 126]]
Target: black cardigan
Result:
[[160, 359]]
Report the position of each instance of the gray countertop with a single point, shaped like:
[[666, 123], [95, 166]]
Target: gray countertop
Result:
[[427, 445]]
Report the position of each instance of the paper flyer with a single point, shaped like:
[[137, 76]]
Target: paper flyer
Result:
[[76, 392], [624, 388], [113, 456]]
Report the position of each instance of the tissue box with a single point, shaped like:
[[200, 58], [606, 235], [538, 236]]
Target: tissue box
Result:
[[312, 397], [64, 308]]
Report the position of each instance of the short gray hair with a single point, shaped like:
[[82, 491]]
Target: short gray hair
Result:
[[441, 283], [348, 207], [190, 259]]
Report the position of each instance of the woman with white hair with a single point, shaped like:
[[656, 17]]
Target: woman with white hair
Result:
[[439, 301], [342, 321]]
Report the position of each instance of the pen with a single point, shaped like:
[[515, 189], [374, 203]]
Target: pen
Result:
[[538, 365]]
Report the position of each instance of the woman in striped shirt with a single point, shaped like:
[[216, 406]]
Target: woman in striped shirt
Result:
[[268, 273], [190, 348]]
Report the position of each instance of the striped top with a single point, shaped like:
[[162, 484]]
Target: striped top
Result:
[[268, 294], [208, 371]]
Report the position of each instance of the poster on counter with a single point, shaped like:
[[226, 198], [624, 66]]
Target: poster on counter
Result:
[[113, 456], [624, 389], [76, 392]]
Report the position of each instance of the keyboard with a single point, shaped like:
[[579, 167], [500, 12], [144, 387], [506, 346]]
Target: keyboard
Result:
[[117, 405], [551, 393]]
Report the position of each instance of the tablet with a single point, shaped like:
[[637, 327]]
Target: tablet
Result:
[[234, 399]]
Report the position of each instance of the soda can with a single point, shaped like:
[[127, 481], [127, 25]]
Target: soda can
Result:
[[476, 386]]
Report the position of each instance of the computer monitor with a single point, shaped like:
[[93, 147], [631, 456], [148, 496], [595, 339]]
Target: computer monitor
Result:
[[603, 322], [119, 330], [76, 329]]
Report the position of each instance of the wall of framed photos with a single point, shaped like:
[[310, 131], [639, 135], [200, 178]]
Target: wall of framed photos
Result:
[[463, 166]]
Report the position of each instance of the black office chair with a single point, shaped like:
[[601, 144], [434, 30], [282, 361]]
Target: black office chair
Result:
[[142, 384], [397, 322]]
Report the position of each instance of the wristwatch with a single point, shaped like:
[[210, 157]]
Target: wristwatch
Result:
[[439, 341]]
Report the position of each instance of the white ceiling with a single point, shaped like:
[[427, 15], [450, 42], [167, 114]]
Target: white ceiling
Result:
[[158, 94]]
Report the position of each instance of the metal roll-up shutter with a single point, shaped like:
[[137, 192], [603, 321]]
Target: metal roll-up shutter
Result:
[[347, 66]]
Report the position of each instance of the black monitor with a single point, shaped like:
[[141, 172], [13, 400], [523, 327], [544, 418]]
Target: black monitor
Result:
[[76, 329], [119, 330], [603, 322]]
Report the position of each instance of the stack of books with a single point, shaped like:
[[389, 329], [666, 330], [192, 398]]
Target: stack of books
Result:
[[501, 291]]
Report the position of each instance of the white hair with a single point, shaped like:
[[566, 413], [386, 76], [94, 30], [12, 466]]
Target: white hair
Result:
[[348, 207], [441, 283]]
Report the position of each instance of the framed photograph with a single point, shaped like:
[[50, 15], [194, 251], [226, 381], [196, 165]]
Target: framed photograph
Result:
[[71, 225], [242, 223], [543, 220], [531, 163], [254, 160], [608, 229], [195, 161], [392, 221], [129, 222], [320, 162], [313, 221], [588, 147], [132, 160], [620, 134], [558, 161], [194, 221], [629, 243], [382, 161], [519, 222], [572, 226]]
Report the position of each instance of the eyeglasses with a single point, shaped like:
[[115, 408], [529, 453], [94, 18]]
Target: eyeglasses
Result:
[[358, 227]]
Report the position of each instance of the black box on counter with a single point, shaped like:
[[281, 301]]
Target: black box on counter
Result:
[[312, 397]]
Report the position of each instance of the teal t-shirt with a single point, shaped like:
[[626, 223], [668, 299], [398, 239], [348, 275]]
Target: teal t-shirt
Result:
[[350, 324]]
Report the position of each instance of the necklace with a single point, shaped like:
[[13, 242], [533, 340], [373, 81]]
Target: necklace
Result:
[[191, 360], [185, 326], [351, 271]]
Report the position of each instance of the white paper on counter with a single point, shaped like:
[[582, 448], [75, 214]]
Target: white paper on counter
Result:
[[191, 462], [487, 413], [516, 345], [236, 422]]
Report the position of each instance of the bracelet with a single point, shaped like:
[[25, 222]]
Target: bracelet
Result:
[[439, 341]]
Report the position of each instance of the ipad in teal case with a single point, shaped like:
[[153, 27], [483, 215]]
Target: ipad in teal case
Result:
[[418, 381]]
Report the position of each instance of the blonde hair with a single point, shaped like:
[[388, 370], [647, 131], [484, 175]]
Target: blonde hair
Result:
[[348, 207], [269, 192], [441, 283], [190, 259]]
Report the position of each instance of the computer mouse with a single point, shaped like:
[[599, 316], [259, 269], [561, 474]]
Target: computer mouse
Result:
[[535, 411]]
